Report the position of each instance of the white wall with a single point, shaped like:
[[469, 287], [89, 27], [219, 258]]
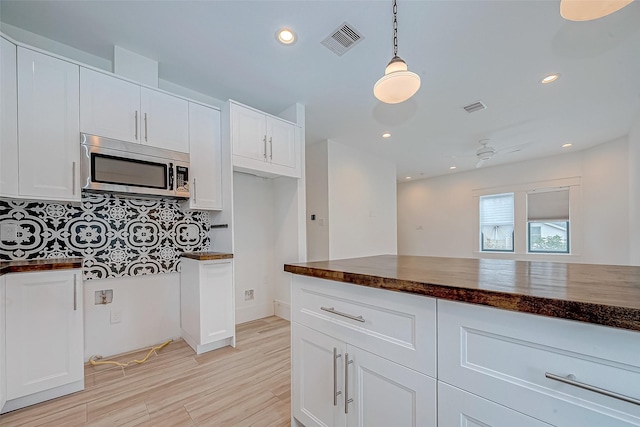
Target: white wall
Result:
[[353, 195], [317, 202], [254, 235], [634, 192], [436, 216], [362, 203], [150, 307]]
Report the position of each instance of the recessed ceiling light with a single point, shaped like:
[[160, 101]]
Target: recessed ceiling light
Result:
[[567, 145], [452, 167], [407, 177], [286, 36], [386, 135], [549, 79]]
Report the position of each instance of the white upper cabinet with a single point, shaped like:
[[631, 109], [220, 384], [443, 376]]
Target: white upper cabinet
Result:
[[8, 120], [282, 142], [165, 120], [48, 128], [109, 106], [118, 109], [205, 158], [263, 144]]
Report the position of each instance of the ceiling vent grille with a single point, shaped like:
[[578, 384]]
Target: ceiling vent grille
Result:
[[473, 107], [342, 39]]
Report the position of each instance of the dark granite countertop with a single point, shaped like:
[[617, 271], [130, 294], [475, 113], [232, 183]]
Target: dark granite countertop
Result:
[[206, 256], [607, 295], [39, 265]]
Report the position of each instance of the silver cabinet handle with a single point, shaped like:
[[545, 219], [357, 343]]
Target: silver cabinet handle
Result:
[[195, 194], [73, 178], [145, 127], [136, 125], [571, 380], [336, 393], [75, 293], [347, 399], [270, 148], [339, 313], [265, 147]]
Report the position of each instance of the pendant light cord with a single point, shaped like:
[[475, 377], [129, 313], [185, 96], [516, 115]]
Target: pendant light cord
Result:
[[395, 28]]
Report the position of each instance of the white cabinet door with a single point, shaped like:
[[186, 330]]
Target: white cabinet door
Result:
[[48, 129], [282, 142], [3, 355], [317, 378], [109, 107], [387, 394], [217, 318], [44, 331], [457, 408], [248, 133], [165, 120], [8, 120], [205, 154]]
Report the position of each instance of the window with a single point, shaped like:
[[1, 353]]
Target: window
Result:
[[496, 222], [548, 221]]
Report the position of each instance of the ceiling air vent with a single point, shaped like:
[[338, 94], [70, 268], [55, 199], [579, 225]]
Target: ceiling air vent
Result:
[[342, 39], [473, 107]]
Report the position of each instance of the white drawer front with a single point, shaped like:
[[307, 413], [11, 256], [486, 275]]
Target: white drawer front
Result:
[[504, 356], [457, 408], [396, 326]]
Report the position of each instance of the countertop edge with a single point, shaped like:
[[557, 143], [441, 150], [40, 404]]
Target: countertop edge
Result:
[[207, 256], [600, 314], [47, 264]]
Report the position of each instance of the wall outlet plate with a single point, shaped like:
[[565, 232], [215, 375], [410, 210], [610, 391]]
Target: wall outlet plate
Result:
[[9, 232], [248, 294], [116, 316]]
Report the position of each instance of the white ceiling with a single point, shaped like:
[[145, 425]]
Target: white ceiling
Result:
[[464, 51]]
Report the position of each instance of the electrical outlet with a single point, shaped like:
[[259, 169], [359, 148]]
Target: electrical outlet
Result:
[[104, 296], [116, 316], [248, 294]]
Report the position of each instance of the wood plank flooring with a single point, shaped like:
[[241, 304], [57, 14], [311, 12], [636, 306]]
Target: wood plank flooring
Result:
[[246, 386]]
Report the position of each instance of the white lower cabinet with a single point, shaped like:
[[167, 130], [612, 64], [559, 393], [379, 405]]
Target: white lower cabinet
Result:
[[44, 336], [337, 384], [3, 355], [457, 408], [207, 309]]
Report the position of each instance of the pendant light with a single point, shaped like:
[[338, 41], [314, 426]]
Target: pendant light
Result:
[[587, 10], [398, 83]]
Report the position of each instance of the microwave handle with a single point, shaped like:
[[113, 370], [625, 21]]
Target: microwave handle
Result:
[[171, 176]]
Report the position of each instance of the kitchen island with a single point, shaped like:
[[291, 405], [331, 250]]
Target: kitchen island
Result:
[[499, 342]]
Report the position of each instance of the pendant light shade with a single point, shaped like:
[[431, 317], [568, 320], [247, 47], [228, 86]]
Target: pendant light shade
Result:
[[587, 10], [398, 83]]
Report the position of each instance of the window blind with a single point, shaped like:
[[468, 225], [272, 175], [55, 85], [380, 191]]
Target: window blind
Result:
[[548, 205], [496, 209]]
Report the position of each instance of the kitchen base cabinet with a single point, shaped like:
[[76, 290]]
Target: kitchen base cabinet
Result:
[[207, 309], [457, 408], [3, 354], [337, 384], [44, 336]]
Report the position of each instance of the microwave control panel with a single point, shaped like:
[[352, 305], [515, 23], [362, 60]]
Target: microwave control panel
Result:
[[182, 178]]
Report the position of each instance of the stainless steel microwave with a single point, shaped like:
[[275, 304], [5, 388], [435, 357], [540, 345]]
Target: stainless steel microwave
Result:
[[125, 167]]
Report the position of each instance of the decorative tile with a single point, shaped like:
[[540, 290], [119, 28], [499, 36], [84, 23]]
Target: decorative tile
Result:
[[117, 236]]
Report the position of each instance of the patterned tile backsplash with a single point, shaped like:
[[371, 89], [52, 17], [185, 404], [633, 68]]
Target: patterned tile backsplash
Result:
[[117, 236]]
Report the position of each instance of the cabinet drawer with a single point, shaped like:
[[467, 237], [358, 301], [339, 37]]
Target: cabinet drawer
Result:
[[459, 408], [399, 327], [506, 356]]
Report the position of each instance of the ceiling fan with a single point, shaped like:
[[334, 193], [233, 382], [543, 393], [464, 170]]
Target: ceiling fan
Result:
[[485, 152]]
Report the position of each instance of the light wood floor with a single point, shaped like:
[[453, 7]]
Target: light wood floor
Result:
[[246, 386]]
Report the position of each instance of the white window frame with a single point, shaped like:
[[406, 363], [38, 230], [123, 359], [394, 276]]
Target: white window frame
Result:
[[520, 244]]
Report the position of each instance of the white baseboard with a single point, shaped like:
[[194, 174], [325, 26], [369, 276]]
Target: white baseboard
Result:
[[254, 312], [282, 309]]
